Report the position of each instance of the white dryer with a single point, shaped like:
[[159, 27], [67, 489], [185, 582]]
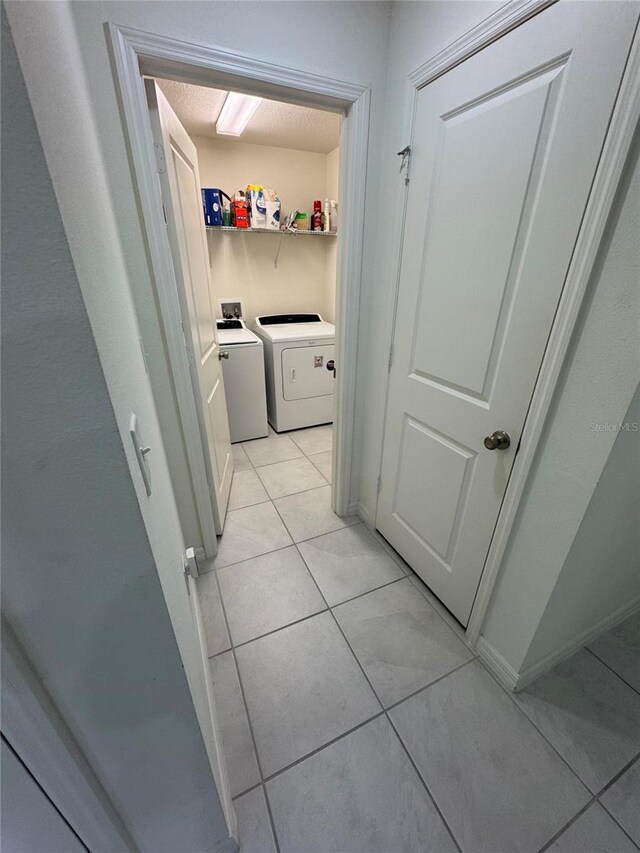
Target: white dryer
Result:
[[298, 353], [244, 381]]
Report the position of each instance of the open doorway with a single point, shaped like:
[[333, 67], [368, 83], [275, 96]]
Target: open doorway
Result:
[[255, 268]]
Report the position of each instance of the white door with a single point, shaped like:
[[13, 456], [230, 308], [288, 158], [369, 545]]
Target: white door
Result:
[[180, 182], [504, 150]]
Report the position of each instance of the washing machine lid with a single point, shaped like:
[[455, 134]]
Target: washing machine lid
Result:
[[234, 332], [282, 328]]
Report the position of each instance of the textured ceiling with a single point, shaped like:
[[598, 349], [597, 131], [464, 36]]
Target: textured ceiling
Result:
[[273, 123]]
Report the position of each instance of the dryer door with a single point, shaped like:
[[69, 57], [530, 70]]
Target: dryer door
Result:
[[305, 373]]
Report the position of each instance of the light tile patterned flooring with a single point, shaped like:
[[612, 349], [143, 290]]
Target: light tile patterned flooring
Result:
[[355, 719]]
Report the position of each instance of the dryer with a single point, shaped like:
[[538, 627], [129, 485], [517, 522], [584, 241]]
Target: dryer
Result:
[[244, 380], [298, 353]]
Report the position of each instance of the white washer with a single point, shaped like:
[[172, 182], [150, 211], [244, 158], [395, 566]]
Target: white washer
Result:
[[300, 381], [244, 381]]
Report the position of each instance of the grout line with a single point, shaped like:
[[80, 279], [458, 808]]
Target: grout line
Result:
[[293, 459], [274, 631], [607, 787], [318, 749], [321, 453], [247, 506], [306, 491], [264, 553], [568, 824], [271, 818], [360, 594], [300, 491], [247, 791], [311, 615], [402, 745], [617, 823], [613, 781], [298, 542], [386, 715], [329, 532], [317, 536], [604, 663], [394, 705], [511, 696], [308, 616], [424, 784], [248, 717], [594, 796]]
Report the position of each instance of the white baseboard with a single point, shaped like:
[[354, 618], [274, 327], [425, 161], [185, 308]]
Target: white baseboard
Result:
[[493, 660], [359, 509], [572, 646], [516, 681]]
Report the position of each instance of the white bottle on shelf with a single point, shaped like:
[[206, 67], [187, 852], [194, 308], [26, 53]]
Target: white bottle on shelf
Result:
[[326, 216], [333, 216]]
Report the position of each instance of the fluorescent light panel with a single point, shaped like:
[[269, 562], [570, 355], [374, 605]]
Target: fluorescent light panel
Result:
[[236, 113]]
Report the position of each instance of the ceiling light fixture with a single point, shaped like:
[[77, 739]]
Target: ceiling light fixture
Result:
[[236, 113]]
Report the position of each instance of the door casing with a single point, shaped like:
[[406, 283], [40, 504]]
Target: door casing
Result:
[[136, 53], [625, 117]]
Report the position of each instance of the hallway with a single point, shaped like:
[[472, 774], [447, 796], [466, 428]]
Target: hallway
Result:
[[353, 716]]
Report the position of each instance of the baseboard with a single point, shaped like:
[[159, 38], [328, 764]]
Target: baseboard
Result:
[[228, 845], [359, 509], [493, 660], [554, 658]]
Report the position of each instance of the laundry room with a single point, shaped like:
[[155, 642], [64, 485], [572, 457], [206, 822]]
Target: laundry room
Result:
[[269, 178]]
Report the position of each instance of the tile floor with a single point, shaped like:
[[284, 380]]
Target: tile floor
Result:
[[355, 719]]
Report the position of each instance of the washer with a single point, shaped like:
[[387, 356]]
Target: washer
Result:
[[300, 381], [244, 381]]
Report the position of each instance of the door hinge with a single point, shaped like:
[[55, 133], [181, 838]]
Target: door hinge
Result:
[[184, 338], [164, 213], [160, 161], [379, 486], [405, 162], [390, 358]]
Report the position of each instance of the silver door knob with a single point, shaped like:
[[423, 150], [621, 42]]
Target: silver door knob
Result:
[[499, 440], [223, 354]]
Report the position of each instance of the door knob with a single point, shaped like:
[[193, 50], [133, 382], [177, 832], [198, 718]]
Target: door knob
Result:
[[499, 440], [331, 365], [223, 354]]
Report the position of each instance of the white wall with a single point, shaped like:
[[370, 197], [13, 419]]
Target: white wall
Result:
[[243, 264], [79, 582], [600, 578], [554, 524]]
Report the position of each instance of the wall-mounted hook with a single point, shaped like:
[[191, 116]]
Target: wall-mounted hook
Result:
[[404, 163]]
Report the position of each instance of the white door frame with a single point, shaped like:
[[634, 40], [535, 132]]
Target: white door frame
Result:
[[624, 120], [37, 732], [135, 52]]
